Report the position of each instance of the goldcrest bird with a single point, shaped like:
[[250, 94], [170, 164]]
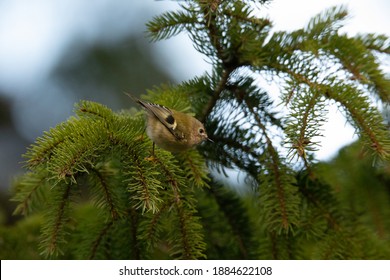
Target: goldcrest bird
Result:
[[172, 130]]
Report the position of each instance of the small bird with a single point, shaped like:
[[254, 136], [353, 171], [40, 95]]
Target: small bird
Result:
[[172, 130]]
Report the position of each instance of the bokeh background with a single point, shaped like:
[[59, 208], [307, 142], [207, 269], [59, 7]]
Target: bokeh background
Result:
[[55, 52]]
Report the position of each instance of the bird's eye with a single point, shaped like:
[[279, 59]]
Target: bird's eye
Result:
[[201, 131]]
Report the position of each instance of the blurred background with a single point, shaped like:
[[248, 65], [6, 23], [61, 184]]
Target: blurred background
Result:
[[55, 52]]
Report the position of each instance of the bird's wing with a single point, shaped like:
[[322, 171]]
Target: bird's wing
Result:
[[164, 115]]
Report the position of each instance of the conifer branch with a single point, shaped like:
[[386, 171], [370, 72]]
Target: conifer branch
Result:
[[318, 196], [145, 189], [379, 43], [152, 227], [94, 110], [30, 191], [365, 118], [191, 245], [216, 95], [307, 115], [260, 23], [107, 194], [281, 246], [236, 216], [169, 24], [214, 34], [194, 167], [185, 244], [97, 242], [152, 208], [276, 186], [43, 148], [134, 224], [54, 231], [275, 166]]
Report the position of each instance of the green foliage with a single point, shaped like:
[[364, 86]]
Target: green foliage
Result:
[[100, 196], [100, 157]]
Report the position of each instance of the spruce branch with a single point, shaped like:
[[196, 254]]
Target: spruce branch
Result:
[[327, 23], [54, 231], [308, 114], [97, 242], [93, 110], [194, 168], [127, 206], [170, 24], [237, 217], [42, 150], [320, 196], [142, 184], [105, 196], [277, 182], [191, 245], [150, 229], [216, 95], [366, 119], [379, 43], [31, 191]]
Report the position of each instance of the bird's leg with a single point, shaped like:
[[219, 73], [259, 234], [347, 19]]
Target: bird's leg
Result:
[[152, 157]]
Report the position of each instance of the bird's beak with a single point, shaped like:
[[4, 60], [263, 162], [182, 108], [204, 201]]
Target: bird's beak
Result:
[[208, 139]]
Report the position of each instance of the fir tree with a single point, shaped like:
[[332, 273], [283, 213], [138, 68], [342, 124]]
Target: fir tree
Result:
[[93, 194]]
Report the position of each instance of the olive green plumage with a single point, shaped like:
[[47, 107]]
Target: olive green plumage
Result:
[[172, 130]]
